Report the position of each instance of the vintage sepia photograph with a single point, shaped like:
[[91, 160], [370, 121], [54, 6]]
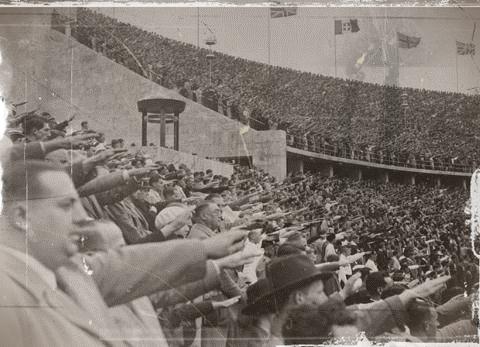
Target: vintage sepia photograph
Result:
[[239, 174]]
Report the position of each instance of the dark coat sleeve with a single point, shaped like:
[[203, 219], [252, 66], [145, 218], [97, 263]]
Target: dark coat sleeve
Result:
[[189, 312], [380, 316], [32, 150], [187, 292], [134, 271]]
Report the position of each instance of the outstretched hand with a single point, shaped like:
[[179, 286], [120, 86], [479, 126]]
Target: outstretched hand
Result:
[[226, 303], [104, 156], [78, 140], [225, 243], [141, 172], [424, 290], [238, 259]]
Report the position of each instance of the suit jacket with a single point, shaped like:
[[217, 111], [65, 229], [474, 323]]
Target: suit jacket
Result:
[[31, 150], [189, 291], [101, 183], [228, 282], [33, 314], [96, 310], [129, 219], [200, 232]]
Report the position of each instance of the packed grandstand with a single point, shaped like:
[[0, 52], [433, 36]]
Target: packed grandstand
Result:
[[162, 254], [339, 117]]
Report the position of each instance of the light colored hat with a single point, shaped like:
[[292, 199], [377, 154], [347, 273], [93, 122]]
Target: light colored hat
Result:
[[167, 215]]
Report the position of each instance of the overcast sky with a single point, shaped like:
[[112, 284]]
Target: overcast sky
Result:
[[306, 41]]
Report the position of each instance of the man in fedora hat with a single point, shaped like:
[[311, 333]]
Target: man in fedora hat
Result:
[[296, 281]]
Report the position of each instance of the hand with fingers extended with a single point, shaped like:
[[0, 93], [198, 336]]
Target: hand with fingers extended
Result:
[[424, 290], [140, 172], [119, 153], [78, 141], [225, 243], [68, 142], [238, 259], [102, 157], [226, 303]]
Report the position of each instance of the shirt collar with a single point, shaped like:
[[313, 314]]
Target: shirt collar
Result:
[[33, 265]]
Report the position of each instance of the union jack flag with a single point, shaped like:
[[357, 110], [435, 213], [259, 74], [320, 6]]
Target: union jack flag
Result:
[[465, 48], [280, 12]]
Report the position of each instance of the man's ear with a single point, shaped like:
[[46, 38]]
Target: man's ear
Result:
[[19, 217]]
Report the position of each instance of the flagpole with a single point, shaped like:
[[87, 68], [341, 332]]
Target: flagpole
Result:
[[398, 65], [268, 33], [198, 27], [335, 47], [456, 67]]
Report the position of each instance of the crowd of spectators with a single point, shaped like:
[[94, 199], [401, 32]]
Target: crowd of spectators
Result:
[[399, 126], [117, 247]]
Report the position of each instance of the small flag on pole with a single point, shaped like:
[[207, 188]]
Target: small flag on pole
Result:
[[465, 48], [346, 26], [405, 41], [280, 12]]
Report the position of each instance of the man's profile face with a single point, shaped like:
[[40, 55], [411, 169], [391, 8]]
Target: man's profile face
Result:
[[158, 186], [51, 218], [177, 195], [213, 216], [314, 294], [42, 134], [219, 202]]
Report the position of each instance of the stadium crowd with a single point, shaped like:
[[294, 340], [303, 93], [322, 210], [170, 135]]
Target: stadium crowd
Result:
[[353, 119], [104, 245]]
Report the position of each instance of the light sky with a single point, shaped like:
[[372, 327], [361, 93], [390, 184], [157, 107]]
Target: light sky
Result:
[[306, 42]]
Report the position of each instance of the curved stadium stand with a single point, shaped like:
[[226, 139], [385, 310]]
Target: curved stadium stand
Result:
[[345, 118]]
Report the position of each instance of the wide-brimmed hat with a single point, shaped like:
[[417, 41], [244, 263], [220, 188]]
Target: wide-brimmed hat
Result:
[[293, 272], [259, 298]]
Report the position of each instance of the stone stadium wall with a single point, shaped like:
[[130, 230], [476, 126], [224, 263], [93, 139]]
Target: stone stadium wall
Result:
[[59, 75]]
